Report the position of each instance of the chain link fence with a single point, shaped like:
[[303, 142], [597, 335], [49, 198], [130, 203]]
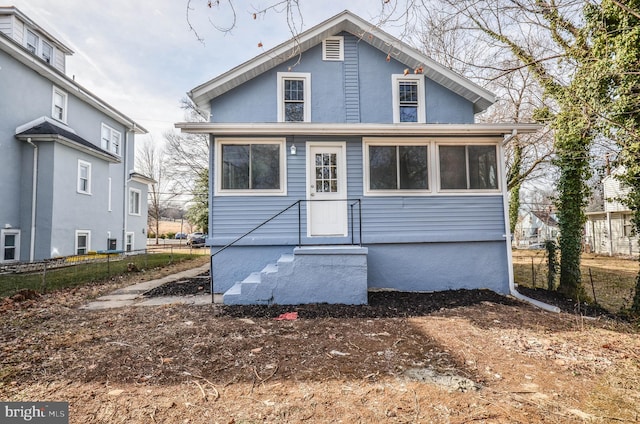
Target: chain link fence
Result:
[[607, 281], [69, 271]]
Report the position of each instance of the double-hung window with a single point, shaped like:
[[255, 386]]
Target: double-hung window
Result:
[[47, 52], [468, 167], [294, 97], [134, 201], [111, 139], [83, 242], [396, 167], [32, 42], [408, 98], [129, 242], [9, 245], [59, 105], [250, 166], [84, 177]]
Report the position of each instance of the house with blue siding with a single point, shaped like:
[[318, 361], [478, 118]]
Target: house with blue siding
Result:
[[343, 161], [66, 170]]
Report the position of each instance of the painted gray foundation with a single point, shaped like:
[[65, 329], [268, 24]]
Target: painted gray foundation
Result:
[[320, 274]]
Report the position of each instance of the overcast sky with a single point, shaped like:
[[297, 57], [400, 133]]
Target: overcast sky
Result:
[[141, 57]]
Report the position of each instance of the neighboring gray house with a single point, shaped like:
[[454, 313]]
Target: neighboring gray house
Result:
[[398, 187], [66, 155], [610, 231]]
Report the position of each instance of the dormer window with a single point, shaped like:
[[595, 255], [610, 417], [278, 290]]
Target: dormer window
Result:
[[39, 47], [32, 42], [47, 52]]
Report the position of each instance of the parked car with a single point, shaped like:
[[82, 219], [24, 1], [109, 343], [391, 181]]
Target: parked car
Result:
[[197, 239], [181, 236]]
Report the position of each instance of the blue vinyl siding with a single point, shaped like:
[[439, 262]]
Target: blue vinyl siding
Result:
[[393, 219], [357, 89]]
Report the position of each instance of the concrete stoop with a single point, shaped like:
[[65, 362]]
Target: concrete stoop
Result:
[[312, 274]]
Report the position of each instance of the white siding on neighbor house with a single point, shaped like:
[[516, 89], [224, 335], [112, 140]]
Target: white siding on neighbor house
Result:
[[612, 235], [59, 61], [5, 25], [613, 191]]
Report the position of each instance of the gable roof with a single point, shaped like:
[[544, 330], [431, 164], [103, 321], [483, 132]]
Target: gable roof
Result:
[[342, 22]]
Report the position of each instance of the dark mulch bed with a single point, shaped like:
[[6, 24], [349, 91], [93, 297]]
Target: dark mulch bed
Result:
[[382, 304]]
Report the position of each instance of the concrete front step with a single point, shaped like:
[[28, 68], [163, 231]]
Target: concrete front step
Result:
[[313, 274]]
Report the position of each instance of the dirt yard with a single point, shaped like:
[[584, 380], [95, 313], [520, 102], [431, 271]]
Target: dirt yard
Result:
[[455, 357]]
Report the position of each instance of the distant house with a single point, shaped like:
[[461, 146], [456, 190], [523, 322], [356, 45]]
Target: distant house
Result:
[[535, 227], [364, 156], [610, 230], [65, 168]]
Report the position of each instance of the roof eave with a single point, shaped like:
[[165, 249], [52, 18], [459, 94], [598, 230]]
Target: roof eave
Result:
[[428, 130], [345, 21], [69, 143], [59, 79]]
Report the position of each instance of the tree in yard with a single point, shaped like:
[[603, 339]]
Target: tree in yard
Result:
[[198, 213], [614, 29], [150, 161]]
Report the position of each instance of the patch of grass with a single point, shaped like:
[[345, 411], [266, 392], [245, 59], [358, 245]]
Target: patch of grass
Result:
[[613, 278], [83, 273]]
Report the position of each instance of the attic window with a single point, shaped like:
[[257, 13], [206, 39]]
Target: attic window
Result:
[[333, 49]]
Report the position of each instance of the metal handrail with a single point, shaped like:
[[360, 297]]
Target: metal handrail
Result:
[[298, 203]]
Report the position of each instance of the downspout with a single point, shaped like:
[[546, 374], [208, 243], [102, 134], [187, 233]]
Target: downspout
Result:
[[34, 198], [507, 236], [125, 197], [609, 233]]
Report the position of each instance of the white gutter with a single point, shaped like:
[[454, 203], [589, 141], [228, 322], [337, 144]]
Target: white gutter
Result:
[[307, 128], [507, 236], [34, 198]]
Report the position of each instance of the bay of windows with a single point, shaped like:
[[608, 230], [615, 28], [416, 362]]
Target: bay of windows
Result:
[[401, 167]]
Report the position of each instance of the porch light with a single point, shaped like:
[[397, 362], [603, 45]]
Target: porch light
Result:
[[293, 149]]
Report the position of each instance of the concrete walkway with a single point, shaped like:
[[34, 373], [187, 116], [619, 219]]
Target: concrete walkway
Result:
[[133, 295]]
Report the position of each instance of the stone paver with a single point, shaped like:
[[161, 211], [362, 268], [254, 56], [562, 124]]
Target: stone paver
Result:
[[132, 295]]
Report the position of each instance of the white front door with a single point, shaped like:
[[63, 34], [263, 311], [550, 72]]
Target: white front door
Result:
[[326, 189]]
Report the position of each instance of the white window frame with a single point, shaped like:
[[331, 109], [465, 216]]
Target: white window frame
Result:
[[384, 141], [396, 79], [33, 48], [45, 44], [135, 201], [329, 43], [282, 191], [64, 100], [466, 143], [82, 165], [3, 247], [129, 242], [79, 233], [302, 76], [110, 139]]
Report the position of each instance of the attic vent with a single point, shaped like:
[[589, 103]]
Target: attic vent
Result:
[[333, 48]]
